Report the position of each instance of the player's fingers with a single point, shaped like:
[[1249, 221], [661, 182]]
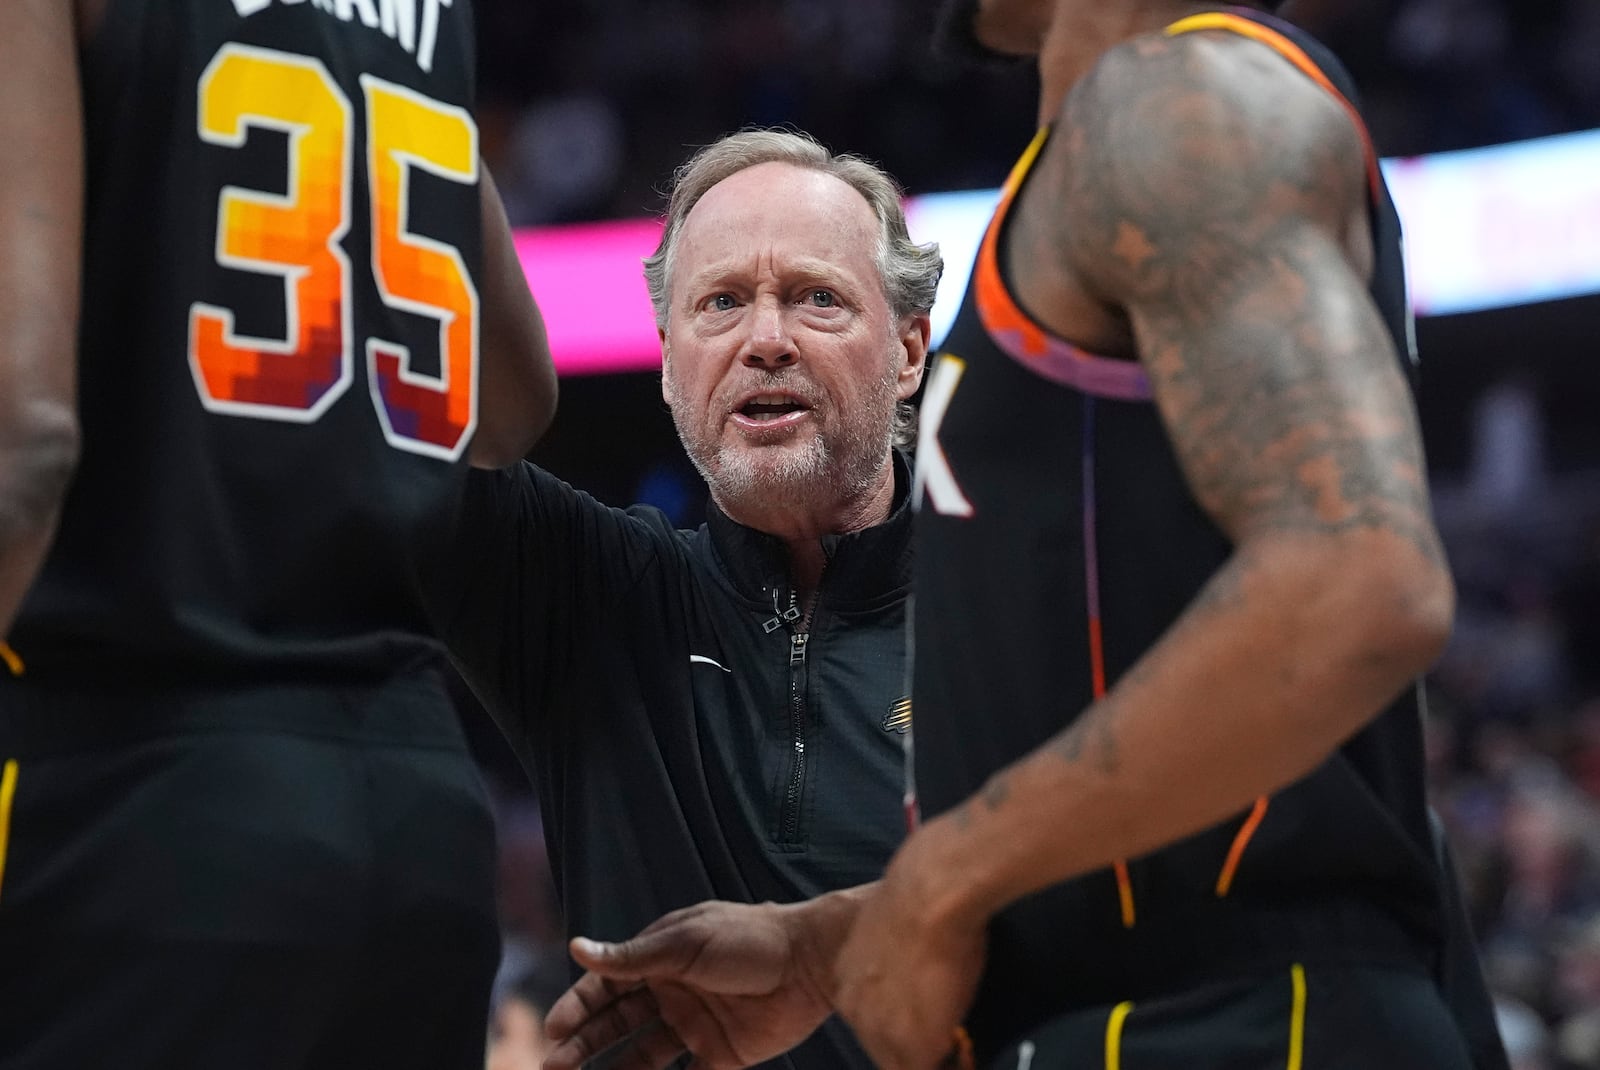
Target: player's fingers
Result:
[[605, 1026], [654, 1047], [587, 999], [666, 952]]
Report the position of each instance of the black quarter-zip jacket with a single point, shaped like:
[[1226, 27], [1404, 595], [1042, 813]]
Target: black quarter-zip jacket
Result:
[[692, 732]]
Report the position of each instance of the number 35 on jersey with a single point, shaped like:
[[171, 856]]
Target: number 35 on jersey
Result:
[[297, 237]]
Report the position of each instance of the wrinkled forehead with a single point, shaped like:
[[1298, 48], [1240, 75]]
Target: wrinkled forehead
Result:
[[773, 215]]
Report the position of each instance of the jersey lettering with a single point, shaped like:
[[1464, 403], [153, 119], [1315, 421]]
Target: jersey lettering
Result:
[[396, 18], [934, 476]]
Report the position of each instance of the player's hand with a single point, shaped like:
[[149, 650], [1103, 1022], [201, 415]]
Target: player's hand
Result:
[[734, 984], [906, 976]]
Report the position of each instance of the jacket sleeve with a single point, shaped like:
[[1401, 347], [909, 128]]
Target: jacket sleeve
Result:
[[527, 578]]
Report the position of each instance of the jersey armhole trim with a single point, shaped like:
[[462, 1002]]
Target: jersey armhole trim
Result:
[[1279, 43]]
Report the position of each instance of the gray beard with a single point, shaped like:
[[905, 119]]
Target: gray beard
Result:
[[822, 472]]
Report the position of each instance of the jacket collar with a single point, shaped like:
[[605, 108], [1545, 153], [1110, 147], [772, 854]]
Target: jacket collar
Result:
[[863, 567]]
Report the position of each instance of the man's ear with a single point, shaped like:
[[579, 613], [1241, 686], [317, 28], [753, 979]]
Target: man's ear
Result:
[[666, 361], [915, 330]]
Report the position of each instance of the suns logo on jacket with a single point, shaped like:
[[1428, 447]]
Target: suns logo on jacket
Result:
[[898, 719]]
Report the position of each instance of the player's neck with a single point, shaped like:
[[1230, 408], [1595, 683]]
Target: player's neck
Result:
[[1079, 34]]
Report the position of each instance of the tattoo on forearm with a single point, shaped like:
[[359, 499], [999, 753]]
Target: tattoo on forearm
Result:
[[1091, 737]]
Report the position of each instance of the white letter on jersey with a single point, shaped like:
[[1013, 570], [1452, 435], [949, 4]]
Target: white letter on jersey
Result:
[[364, 8], [246, 8], [933, 471], [400, 22], [430, 32]]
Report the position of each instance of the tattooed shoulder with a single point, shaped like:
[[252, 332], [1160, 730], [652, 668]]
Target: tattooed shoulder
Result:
[[1204, 187]]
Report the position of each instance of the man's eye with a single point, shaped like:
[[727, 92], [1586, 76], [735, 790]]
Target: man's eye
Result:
[[722, 302], [823, 298]]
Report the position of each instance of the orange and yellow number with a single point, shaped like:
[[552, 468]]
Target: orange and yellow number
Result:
[[405, 130], [297, 237]]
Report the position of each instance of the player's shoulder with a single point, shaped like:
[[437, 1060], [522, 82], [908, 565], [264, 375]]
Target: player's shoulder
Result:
[[1215, 104], [1214, 81]]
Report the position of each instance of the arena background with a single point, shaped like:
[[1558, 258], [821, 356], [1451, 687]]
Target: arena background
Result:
[[588, 105]]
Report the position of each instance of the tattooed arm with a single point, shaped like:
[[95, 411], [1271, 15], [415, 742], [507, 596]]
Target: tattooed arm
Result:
[[1210, 199], [41, 190]]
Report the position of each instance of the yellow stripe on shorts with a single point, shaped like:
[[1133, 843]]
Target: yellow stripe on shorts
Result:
[[8, 789], [1297, 1017], [1119, 1015]]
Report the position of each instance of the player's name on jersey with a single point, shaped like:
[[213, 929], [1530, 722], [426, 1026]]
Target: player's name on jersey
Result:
[[414, 24]]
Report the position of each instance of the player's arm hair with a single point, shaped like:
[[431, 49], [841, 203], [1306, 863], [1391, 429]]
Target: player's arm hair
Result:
[[517, 393], [1207, 188], [41, 219]]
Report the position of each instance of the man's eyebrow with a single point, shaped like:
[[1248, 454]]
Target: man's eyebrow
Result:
[[809, 270]]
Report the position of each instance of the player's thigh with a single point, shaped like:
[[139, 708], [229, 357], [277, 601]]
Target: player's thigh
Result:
[[203, 835], [167, 1005], [434, 836], [176, 901], [1310, 1018], [420, 999]]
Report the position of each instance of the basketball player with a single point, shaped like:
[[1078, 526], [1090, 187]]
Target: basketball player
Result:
[[1176, 579], [1169, 743], [238, 824]]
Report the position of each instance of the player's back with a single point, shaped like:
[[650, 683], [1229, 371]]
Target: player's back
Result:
[[278, 356]]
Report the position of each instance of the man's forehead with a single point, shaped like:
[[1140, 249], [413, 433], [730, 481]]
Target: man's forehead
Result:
[[781, 220], [777, 198]]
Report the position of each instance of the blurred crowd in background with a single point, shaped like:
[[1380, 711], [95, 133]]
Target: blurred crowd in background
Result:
[[588, 106]]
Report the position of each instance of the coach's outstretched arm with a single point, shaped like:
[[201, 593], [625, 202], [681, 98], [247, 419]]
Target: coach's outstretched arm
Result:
[[41, 217], [517, 396], [1219, 199]]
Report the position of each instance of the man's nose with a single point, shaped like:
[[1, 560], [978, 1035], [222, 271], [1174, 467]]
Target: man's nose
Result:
[[769, 344]]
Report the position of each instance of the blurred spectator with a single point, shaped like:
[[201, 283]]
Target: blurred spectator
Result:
[[530, 918], [516, 1032], [1526, 1038]]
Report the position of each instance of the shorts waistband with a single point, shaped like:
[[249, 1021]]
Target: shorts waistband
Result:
[[1184, 951], [414, 709]]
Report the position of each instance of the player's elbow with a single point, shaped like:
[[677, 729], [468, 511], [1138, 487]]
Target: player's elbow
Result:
[[1409, 611], [1428, 618], [38, 455], [513, 422]]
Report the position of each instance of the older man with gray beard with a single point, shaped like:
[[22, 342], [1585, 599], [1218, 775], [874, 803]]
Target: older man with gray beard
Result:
[[717, 713]]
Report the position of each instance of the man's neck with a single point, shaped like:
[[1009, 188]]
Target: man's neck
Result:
[[1079, 34], [802, 526]]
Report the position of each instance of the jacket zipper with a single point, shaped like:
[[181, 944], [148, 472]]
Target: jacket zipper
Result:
[[799, 636]]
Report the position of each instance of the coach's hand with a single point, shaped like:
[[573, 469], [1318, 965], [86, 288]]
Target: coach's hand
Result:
[[733, 983], [908, 972]]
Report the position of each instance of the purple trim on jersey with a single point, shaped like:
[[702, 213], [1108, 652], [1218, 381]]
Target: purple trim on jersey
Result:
[[1064, 363]]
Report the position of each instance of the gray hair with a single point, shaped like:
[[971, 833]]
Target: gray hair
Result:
[[909, 272]]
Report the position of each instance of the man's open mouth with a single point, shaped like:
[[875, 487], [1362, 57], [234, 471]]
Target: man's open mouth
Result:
[[770, 408]]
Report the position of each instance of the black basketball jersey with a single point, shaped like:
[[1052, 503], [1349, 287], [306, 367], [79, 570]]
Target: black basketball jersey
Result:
[[1057, 540], [279, 340]]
